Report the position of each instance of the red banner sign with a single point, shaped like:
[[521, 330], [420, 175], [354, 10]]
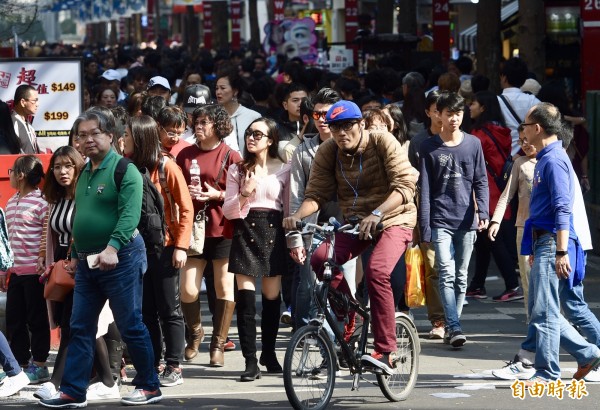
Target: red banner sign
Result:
[[278, 10], [207, 25], [351, 8], [441, 27], [236, 16], [590, 59]]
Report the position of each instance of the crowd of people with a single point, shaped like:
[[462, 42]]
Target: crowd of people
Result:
[[416, 158]]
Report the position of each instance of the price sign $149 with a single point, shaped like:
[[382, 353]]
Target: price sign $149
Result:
[[57, 87]]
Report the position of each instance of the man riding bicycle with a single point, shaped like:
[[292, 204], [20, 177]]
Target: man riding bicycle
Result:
[[371, 177]]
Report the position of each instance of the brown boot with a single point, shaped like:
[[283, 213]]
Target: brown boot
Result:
[[193, 320], [223, 313]]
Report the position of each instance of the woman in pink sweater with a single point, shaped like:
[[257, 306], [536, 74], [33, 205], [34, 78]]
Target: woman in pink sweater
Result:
[[256, 199]]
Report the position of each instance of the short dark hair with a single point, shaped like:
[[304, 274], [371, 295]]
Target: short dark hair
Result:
[[218, 115], [292, 88], [152, 104], [22, 92], [306, 107], [235, 80], [548, 116], [566, 134], [171, 115], [464, 64], [480, 82], [515, 71], [326, 96], [121, 118], [449, 82], [453, 102]]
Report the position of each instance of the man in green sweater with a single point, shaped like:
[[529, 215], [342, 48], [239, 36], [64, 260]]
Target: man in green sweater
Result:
[[109, 260]]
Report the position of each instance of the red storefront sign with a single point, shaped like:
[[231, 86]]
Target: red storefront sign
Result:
[[590, 58], [236, 15], [351, 19], [207, 25], [441, 27], [278, 10]]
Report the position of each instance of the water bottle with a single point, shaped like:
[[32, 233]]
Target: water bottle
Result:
[[194, 173]]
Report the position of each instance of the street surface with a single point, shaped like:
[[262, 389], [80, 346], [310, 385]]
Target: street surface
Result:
[[448, 379]]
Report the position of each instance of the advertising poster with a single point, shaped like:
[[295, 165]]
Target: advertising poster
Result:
[[58, 83], [293, 38]]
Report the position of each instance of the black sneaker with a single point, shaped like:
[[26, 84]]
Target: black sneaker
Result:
[[380, 361], [477, 293], [457, 339], [63, 401], [343, 363], [140, 396]]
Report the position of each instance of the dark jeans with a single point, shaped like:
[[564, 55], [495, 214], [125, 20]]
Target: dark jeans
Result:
[[161, 307], [122, 286], [503, 250], [26, 312], [9, 364]]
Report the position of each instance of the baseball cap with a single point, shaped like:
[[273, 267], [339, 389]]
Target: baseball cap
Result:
[[158, 80], [195, 96], [531, 86], [343, 110], [111, 75]]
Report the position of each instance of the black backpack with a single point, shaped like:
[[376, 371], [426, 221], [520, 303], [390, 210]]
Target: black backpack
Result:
[[152, 220]]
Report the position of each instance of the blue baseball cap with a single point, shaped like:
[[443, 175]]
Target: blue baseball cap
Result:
[[342, 111]]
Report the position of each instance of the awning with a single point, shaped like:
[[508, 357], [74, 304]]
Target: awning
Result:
[[467, 39]]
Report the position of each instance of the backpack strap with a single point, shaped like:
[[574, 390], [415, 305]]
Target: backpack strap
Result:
[[220, 174], [120, 171], [162, 178], [510, 108], [495, 141]]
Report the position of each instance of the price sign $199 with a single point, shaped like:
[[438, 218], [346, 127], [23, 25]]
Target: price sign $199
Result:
[[58, 115], [57, 87]]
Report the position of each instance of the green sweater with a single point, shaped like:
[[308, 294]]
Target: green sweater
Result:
[[105, 216]]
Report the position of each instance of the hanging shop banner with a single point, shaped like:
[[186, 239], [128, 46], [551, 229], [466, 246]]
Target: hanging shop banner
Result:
[[236, 18], [59, 85], [278, 10], [292, 38], [207, 19]]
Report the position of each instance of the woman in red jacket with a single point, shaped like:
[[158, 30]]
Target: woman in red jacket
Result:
[[489, 127]]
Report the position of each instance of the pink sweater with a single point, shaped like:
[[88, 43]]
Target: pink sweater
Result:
[[272, 192], [25, 220]]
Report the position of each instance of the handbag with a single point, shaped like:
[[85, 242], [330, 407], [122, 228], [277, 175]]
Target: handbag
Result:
[[58, 281], [414, 290], [6, 253], [199, 225]]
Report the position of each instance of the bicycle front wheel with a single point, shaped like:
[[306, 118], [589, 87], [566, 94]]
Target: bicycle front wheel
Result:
[[405, 362], [309, 369]]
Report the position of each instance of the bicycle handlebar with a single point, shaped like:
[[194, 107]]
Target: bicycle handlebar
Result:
[[333, 226]]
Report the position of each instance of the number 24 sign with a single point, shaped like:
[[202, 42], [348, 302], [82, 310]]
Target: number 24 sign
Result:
[[440, 8]]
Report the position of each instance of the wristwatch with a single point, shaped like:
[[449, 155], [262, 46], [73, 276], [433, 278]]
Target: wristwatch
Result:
[[377, 213], [561, 253]]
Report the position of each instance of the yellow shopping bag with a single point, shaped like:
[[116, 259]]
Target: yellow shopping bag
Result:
[[414, 289]]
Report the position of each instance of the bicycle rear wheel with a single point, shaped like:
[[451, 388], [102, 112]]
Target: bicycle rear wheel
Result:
[[309, 369], [405, 361]]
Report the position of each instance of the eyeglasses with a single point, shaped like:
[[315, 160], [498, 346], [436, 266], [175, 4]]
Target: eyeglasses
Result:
[[94, 135], [66, 167], [342, 125], [32, 100], [202, 123], [378, 127], [319, 115], [172, 134], [256, 134], [525, 124]]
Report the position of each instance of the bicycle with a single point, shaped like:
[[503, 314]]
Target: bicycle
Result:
[[310, 364]]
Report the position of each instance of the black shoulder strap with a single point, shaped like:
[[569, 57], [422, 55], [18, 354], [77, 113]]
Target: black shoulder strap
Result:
[[162, 178], [510, 108], [120, 171], [223, 164], [489, 134]]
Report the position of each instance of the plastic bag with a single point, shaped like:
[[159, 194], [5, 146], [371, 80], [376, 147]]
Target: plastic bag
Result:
[[414, 290]]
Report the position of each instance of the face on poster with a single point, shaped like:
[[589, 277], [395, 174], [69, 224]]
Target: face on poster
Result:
[[293, 38], [60, 93]]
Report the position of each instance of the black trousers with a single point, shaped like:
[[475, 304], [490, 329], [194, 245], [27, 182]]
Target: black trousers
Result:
[[502, 251], [161, 309], [26, 313]]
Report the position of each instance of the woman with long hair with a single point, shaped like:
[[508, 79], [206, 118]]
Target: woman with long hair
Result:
[[211, 126], [160, 301], [256, 199], [228, 90], [489, 127], [399, 128], [413, 107]]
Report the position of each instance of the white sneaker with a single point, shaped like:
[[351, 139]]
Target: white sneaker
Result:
[[100, 391], [593, 376], [14, 384], [46, 391], [514, 370]]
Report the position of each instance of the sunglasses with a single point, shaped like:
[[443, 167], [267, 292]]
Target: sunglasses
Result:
[[256, 134], [345, 126], [319, 115]]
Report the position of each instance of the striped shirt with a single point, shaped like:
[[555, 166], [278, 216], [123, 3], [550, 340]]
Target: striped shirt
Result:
[[25, 220], [61, 220]]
